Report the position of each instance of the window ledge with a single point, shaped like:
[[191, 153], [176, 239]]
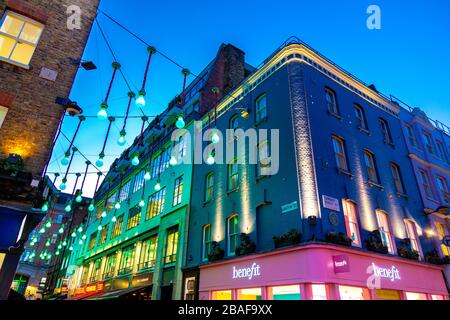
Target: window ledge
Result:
[[205, 203], [232, 191], [364, 130], [373, 184], [389, 144], [26, 67], [335, 115], [345, 172], [262, 177], [402, 195]]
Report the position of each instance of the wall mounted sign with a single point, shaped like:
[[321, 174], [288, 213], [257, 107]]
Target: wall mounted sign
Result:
[[142, 280], [250, 272], [289, 207], [333, 218], [341, 264], [48, 74], [331, 203], [391, 273]]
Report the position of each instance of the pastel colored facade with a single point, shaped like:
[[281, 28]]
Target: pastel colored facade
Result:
[[137, 249], [344, 177], [36, 67]]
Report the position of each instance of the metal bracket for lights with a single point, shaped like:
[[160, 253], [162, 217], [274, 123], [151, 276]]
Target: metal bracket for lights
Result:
[[86, 65], [71, 107]]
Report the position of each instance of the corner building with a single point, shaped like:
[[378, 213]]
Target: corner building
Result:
[[342, 217]]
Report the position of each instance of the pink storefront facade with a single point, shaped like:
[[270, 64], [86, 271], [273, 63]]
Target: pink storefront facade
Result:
[[321, 272]]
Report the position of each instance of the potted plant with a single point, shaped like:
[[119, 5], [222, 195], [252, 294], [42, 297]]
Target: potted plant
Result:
[[406, 251], [246, 246], [216, 253], [292, 237], [375, 244], [338, 238]]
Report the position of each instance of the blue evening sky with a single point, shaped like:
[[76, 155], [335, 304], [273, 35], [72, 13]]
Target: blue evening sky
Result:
[[408, 58]]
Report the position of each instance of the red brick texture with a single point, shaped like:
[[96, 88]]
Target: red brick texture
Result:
[[26, 9], [6, 99]]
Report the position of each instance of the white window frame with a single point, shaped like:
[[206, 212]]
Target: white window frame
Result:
[[229, 234], [3, 116], [17, 39]]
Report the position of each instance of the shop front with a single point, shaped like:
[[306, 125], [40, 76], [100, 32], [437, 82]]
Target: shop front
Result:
[[321, 272]]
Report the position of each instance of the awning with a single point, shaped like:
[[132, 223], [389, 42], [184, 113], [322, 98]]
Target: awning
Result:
[[116, 294]]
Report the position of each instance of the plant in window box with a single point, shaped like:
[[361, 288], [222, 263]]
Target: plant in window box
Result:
[[246, 246], [375, 244], [406, 251], [216, 253], [289, 238], [338, 238]]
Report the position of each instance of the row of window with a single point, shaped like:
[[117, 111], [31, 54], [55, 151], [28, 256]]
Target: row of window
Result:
[[232, 237], [128, 259], [441, 183], [360, 116], [434, 147]]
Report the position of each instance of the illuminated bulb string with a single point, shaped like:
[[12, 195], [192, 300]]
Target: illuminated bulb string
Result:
[[65, 160], [100, 162]]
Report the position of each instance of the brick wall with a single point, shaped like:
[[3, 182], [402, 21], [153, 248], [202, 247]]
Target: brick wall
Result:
[[33, 117]]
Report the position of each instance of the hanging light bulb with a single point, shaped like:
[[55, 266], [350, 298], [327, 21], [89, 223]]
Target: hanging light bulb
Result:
[[158, 185], [80, 242], [140, 100], [142, 203], [84, 237], [99, 163], [64, 243], [80, 229], [135, 160], [147, 176], [59, 247], [102, 114], [47, 244], [103, 214], [73, 235], [42, 230], [180, 122], [91, 207], [78, 199], [68, 207], [65, 161], [57, 253], [117, 205], [44, 207], [122, 140], [173, 161], [32, 244], [48, 224], [210, 160], [63, 186], [215, 138], [71, 248], [99, 228], [61, 230], [114, 219], [49, 256]]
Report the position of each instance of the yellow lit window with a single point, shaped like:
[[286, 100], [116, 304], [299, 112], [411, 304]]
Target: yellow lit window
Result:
[[19, 37], [3, 111]]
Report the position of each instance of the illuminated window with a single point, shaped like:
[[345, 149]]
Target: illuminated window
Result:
[[139, 181], [351, 222], [171, 245], [261, 108], [425, 182], [155, 168], [233, 175], [263, 165], [125, 191], [111, 201], [233, 234], [249, 294], [103, 235], [360, 117], [383, 294], [411, 231], [353, 293], [156, 204], [110, 266], [209, 187], [98, 211], [398, 181], [443, 188], [84, 275], [339, 153], [3, 112], [385, 231], [207, 241], [429, 142], [127, 260], [415, 296], [441, 234], [372, 172], [19, 37], [319, 292], [410, 135], [436, 297], [92, 240], [148, 253], [284, 293], [96, 271], [385, 131], [178, 191], [117, 228], [221, 295], [134, 217], [330, 97]]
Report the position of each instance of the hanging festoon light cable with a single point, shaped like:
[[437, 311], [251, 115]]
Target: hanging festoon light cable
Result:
[[215, 138], [79, 197], [63, 185], [91, 207], [140, 101], [157, 186], [66, 159], [135, 156], [46, 204], [68, 207], [122, 139], [148, 170], [103, 114], [180, 123], [99, 163]]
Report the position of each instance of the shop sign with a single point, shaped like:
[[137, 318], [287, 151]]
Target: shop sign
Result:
[[142, 280], [97, 287], [289, 207], [121, 283], [249, 273], [392, 273], [79, 291], [331, 203], [341, 264]]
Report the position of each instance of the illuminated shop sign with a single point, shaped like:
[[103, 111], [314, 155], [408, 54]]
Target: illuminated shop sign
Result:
[[392, 273], [341, 264], [249, 272]]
